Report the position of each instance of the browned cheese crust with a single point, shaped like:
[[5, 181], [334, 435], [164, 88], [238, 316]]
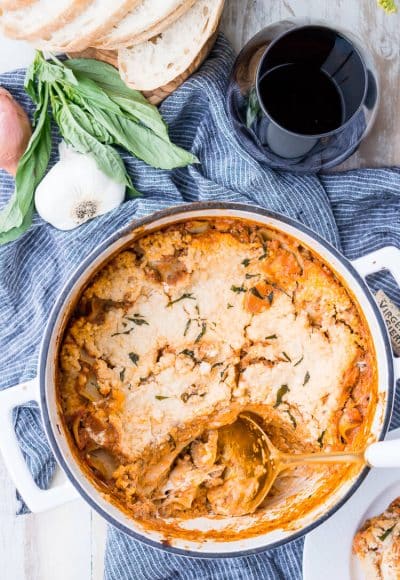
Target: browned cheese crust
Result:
[[377, 545], [186, 328]]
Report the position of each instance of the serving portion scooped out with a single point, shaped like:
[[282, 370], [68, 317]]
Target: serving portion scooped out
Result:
[[185, 329]]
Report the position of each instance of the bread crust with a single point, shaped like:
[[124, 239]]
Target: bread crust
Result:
[[82, 42], [107, 42], [156, 96], [203, 51], [74, 9], [14, 4]]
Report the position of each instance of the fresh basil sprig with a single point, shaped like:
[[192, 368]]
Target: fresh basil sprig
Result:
[[16, 216], [94, 110]]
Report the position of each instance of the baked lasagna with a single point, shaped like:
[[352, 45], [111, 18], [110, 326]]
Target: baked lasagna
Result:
[[377, 545], [181, 332]]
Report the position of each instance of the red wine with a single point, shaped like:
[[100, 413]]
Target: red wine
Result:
[[302, 98]]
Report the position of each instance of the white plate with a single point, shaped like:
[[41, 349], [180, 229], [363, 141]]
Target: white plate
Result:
[[328, 549]]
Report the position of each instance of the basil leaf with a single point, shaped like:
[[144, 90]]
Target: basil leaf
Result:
[[89, 90], [283, 389], [14, 233], [29, 82], [106, 157], [30, 171], [105, 75], [89, 124], [144, 144], [386, 533], [88, 94], [146, 113], [50, 72], [129, 100]]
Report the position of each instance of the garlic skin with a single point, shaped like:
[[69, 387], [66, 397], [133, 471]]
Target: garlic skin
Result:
[[75, 190]]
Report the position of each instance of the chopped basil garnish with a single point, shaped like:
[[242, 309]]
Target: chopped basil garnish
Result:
[[299, 361], [321, 438], [223, 372], [138, 321], [306, 378], [161, 398], [171, 442], [293, 420], [193, 390], [271, 337], [270, 297], [287, 357], [280, 394], [265, 253], [238, 289], [122, 375], [190, 354], [246, 262], [186, 296], [217, 364], [125, 332], [134, 358], [229, 306], [189, 322], [386, 533], [202, 332], [248, 276], [256, 293]]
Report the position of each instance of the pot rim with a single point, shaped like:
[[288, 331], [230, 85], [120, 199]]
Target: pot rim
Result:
[[178, 210]]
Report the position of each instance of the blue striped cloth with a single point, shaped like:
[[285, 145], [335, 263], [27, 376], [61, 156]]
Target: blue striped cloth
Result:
[[357, 212]]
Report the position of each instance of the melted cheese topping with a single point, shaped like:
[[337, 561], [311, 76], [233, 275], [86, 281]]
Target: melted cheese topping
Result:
[[377, 544], [183, 331]]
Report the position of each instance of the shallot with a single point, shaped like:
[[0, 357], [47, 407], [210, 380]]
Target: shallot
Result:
[[15, 132]]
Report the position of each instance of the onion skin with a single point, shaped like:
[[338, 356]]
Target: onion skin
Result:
[[15, 132]]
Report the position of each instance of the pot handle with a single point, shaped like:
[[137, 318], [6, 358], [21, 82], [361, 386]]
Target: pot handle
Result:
[[37, 500], [387, 258], [383, 454]]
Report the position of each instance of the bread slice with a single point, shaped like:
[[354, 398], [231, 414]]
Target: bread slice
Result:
[[148, 19], [39, 18], [160, 60], [14, 4], [81, 32], [377, 545]]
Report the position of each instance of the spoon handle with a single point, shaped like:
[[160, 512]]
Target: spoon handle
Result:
[[308, 458], [383, 454]]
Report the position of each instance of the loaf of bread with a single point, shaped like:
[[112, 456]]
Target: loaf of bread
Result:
[[98, 17], [156, 44], [161, 59], [40, 18], [148, 19]]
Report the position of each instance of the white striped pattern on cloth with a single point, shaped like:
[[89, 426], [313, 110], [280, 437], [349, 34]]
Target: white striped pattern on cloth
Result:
[[357, 212]]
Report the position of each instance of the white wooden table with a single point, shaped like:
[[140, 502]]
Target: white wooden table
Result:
[[68, 542]]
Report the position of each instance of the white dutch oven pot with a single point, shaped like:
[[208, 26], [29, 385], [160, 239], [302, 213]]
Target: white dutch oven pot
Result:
[[42, 389]]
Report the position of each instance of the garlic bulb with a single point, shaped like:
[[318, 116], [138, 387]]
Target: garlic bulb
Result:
[[75, 190]]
